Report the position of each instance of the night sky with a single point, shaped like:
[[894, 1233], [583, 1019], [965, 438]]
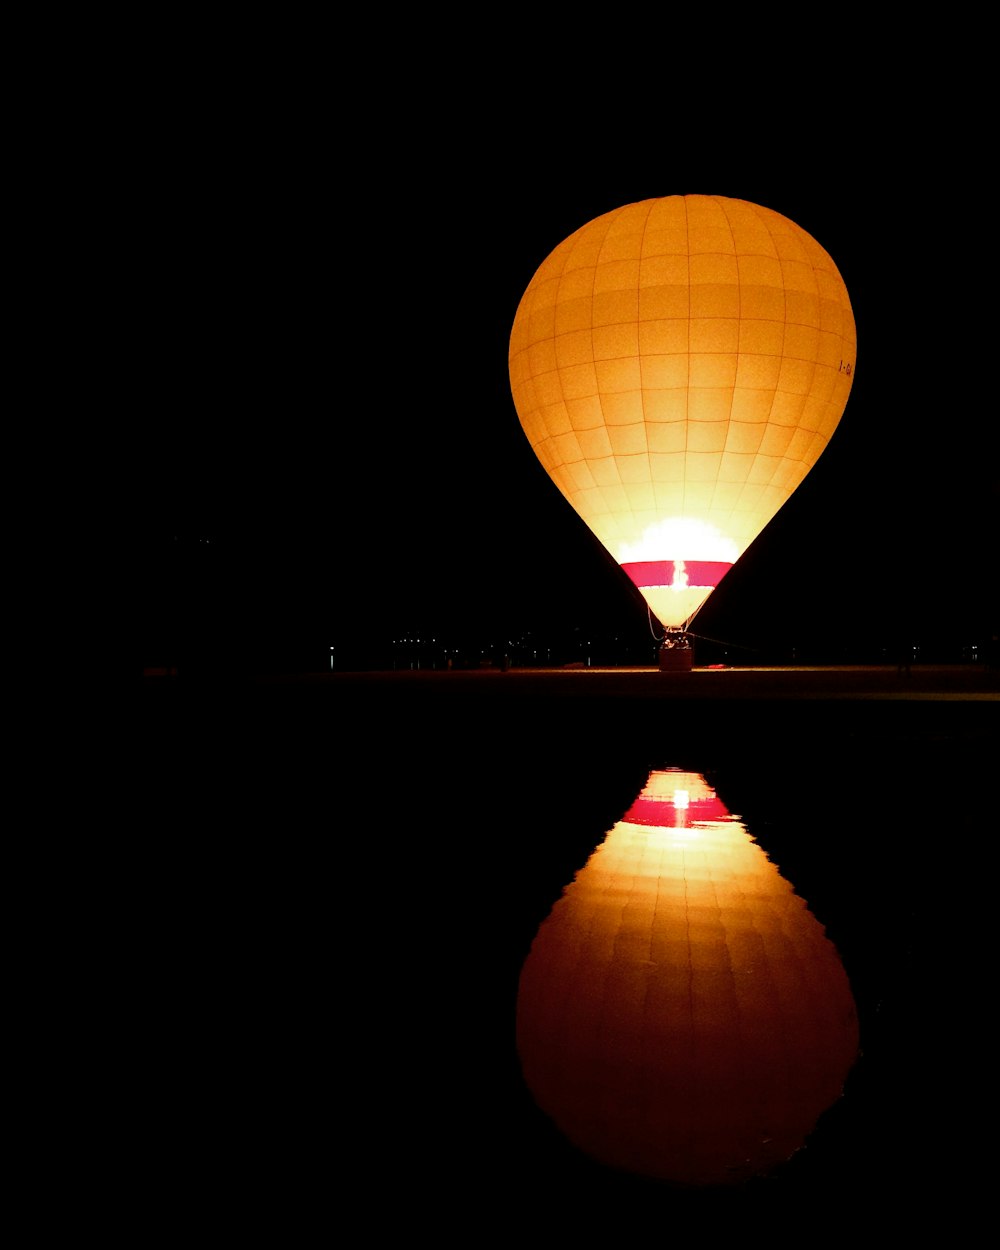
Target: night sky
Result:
[[316, 340]]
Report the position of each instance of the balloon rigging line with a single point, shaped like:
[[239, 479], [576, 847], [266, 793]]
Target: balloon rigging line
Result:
[[739, 646], [721, 642]]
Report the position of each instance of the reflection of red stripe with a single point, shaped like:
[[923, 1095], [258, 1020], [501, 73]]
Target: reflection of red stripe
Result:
[[662, 812], [662, 572]]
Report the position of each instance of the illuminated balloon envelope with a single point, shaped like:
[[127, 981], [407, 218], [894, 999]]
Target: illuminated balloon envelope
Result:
[[682, 1015], [678, 366]]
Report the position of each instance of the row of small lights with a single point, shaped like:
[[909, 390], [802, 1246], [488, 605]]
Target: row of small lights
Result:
[[400, 642]]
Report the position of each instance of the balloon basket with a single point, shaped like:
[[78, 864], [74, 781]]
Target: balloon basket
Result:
[[676, 656]]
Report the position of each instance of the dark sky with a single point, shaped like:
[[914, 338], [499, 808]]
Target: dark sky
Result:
[[316, 327]]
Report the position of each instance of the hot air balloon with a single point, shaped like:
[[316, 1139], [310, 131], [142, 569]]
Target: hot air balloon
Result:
[[682, 1014], [678, 366]]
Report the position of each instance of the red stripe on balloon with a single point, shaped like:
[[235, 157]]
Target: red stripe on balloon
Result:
[[664, 573]]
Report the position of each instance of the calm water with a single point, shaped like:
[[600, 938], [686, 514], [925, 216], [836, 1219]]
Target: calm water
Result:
[[336, 898]]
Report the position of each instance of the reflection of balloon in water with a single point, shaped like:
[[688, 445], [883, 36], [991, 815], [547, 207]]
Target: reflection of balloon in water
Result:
[[678, 366], [682, 1014]]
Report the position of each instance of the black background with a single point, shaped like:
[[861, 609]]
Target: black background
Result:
[[316, 308]]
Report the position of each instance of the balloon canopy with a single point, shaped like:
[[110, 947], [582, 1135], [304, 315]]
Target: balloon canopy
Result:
[[678, 366]]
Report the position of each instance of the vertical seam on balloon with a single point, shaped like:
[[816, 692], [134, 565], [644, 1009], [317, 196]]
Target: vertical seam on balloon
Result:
[[620, 485], [638, 323], [739, 317]]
